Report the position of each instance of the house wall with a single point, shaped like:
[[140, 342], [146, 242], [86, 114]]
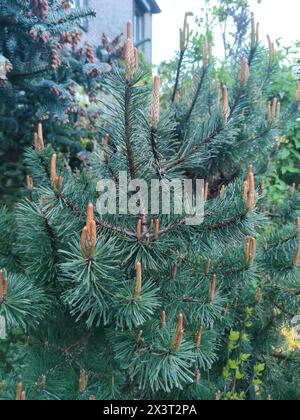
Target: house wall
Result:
[[112, 18], [147, 47]]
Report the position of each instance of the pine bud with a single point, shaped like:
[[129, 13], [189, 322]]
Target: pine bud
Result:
[[93, 237], [83, 381], [156, 234], [274, 108], [272, 51], [222, 191], [138, 284], [53, 169], [298, 226], [41, 143], [5, 288], [184, 34], [174, 271], [129, 30], [89, 214], [155, 110], [205, 52], [39, 140], [1, 287], [269, 112], [198, 338], [273, 111], [197, 377], [298, 92], [130, 60], [179, 334], [56, 181], [251, 186], [84, 241], [244, 73], [212, 292], [29, 182], [225, 103], [139, 230], [89, 234], [206, 191], [163, 319], [19, 392], [40, 132], [246, 191], [247, 253], [180, 322], [252, 248], [253, 32], [278, 110], [258, 296], [297, 258], [208, 267], [257, 32], [105, 149], [262, 187]]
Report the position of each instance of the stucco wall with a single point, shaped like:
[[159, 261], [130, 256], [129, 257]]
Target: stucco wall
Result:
[[112, 18]]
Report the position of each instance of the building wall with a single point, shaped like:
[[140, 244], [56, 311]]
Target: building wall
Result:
[[112, 18], [147, 47]]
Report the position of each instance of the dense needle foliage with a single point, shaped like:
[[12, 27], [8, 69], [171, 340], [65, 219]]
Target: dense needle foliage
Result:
[[43, 70], [130, 308]]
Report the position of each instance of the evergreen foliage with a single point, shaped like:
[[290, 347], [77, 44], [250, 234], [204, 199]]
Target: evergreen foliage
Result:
[[131, 308], [43, 70]]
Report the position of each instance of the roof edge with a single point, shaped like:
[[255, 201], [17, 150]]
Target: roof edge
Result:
[[152, 6]]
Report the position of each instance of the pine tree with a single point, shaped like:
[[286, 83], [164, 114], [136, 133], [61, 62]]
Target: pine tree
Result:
[[42, 69], [148, 307]]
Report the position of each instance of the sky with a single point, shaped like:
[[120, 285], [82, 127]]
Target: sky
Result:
[[279, 18]]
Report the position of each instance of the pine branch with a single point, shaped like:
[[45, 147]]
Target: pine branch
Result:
[[282, 242], [285, 357], [195, 149], [100, 223], [172, 228], [52, 239], [227, 223], [154, 148], [197, 94], [180, 61], [128, 130]]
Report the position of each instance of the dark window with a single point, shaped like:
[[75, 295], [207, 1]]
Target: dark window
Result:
[[139, 23]]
